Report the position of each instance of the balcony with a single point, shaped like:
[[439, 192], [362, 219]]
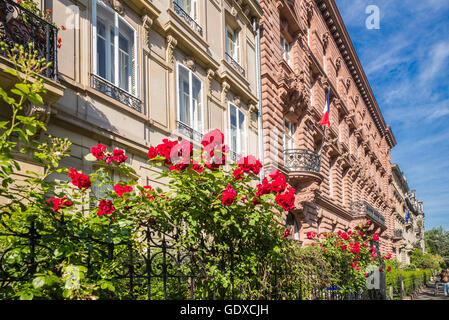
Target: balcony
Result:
[[187, 18], [397, 234], [189, 132], [109, 89], [20, 26], [362, 207], [235, 64], [302, 160]]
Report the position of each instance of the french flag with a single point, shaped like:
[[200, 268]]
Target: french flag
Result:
[[325, 116]]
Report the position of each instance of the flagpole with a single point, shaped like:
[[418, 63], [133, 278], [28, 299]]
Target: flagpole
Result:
[[322, 140]]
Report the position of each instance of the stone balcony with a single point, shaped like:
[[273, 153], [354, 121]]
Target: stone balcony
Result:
[[397, 234], [302, 160], [363, 208]]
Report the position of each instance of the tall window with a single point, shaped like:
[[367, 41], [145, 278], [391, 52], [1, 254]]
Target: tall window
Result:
[[285, 48], [190, 7], [233, 43], [237, 123], [289, 135], [190, 100], [115, 48]]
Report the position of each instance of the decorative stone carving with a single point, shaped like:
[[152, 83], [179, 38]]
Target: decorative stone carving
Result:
[[171, 44], [39, 112], [348, 83], [189, 62], [306, 194], [325, 39], [338, 62], [210, 75], [308, 10], [147, 22], [224, 90], [117, 6], [294, 95]]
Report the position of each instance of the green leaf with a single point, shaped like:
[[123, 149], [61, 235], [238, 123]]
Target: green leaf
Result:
[[38, 282], [26, 296], [90, 157], [23, 88], [12, 71], [35, 98]]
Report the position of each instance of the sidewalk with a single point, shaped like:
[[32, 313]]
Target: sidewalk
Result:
[[428, 293]]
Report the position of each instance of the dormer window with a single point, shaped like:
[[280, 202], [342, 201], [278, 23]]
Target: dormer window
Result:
[[285, 49]]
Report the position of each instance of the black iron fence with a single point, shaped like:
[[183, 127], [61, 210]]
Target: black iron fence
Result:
[[21, 26], [159, 269], [179, 8]]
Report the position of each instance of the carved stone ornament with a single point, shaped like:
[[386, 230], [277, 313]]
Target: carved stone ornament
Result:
[[117, 6], [171, 44], [189, 62], [39, 112], [338, 63], [325, 39], [147, 22], [306, 194], [210, 75], [233, 12], [224, 90], [294, 96], [348, 83], [308, 10]]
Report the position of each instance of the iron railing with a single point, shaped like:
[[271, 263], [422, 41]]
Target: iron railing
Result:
[[302, 160], [362, 207], [109, 89], [235, 64], [188, 131], [20, 26], [178, 8], [157, 269]]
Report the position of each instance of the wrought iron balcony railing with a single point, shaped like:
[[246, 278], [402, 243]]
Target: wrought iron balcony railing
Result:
[[21, 26], [235, 64], [302, 160], [362, 207], [187, 18], [109, 89], [188, 131]]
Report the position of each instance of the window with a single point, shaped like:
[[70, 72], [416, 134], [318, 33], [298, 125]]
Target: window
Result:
[[289, 135], [114, 47], [190, 100], [285, 48], [237, 122], [312, 83], [232, 43], [189, 6]]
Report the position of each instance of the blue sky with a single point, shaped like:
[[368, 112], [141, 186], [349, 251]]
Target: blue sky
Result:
[[406, 61]]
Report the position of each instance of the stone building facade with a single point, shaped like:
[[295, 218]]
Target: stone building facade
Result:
[[131, 73], [345, 179], [409, 219]]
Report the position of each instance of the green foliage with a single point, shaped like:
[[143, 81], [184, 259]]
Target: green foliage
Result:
[[437, 243], [425, 260]]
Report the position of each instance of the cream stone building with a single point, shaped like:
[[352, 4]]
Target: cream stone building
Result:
[[409, 219], [131, 73]]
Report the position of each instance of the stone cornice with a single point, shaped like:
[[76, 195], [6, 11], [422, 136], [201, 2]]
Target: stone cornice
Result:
[[332, 17]]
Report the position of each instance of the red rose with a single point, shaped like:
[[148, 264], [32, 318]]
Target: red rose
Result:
[[152, 152], [381, 269], [197, 167], [214, 137], [368, 223], [98, 151], [286, 200], [120, 190], [249, 163], [376, 237], [263, 188], [118, 156], [105, 207], [214, 156], [238, 174], [286, 233], [228, 196], [78, 179], [164, 149], [59, 203]]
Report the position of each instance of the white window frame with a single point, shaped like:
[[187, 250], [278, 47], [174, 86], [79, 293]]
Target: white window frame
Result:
[[242, 131], [194, 123], [117, 18], [236, 35], [286, 49], [289, 138], [193, 8]]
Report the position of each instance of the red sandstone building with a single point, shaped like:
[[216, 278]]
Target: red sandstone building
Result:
[[346, 179]]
